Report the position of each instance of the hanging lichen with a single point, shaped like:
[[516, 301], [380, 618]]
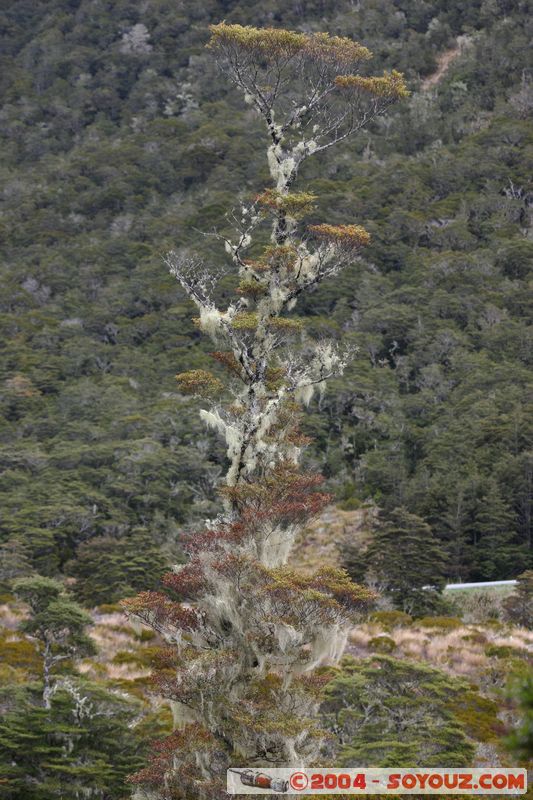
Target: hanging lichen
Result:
[[245, 633]]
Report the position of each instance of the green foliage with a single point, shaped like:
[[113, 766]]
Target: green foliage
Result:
[[382, 644], [143, 657], [392, 713], [479, 715], [88, 741], [501, 651], [391, 619], [14, 562], [405, 559], [19, 653], [521, 740], [54, 619], [432, 416], [57, 624], [108, 569], [444, 624]]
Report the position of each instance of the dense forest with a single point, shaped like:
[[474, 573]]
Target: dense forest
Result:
[[120, 141]]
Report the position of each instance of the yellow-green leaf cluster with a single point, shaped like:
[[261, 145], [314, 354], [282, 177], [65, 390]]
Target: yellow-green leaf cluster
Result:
[[390, 85], [324, 47], [279, 256], [245, 321], [347, 236], [253, 289], [295, 204], [199, 382], [275, 42], [272, 41], [275, 377], [286, 324], [274, 257]]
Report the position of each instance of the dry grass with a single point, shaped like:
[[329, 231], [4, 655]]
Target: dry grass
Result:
[[519, 638], [317, 544], [11, 616], [113, 633], [117, 619], [126, 672], [460, 652], [110, 641]]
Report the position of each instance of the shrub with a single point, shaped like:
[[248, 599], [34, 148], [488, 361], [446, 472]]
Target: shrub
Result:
[[479, 715], [504, 651], [521, 739], [350, 504], [391, 619], [476, 637], [476, 606], [109, 608], [382, 644], [391, 713], [21, 654]]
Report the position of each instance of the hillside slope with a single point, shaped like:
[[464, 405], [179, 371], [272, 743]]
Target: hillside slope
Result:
[[119, 141]]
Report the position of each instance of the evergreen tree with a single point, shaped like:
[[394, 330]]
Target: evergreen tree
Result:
[[14, 562], [56, 623], [404, 559], [83, 744], [107, 569], [250, 633], [521, 739], [494, 551]]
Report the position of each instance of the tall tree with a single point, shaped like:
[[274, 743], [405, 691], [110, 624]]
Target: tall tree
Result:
[[245, 632]]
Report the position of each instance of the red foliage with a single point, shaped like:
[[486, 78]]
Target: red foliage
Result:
[[157, 610], [187, 742], [188, 583], [241, 569], [228, 360], [285, 496]]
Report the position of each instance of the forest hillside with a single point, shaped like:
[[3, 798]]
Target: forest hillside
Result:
[[119, 141]]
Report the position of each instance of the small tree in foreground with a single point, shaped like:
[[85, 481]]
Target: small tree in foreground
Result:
[[56, 623], [246, 633], [83, 745]]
